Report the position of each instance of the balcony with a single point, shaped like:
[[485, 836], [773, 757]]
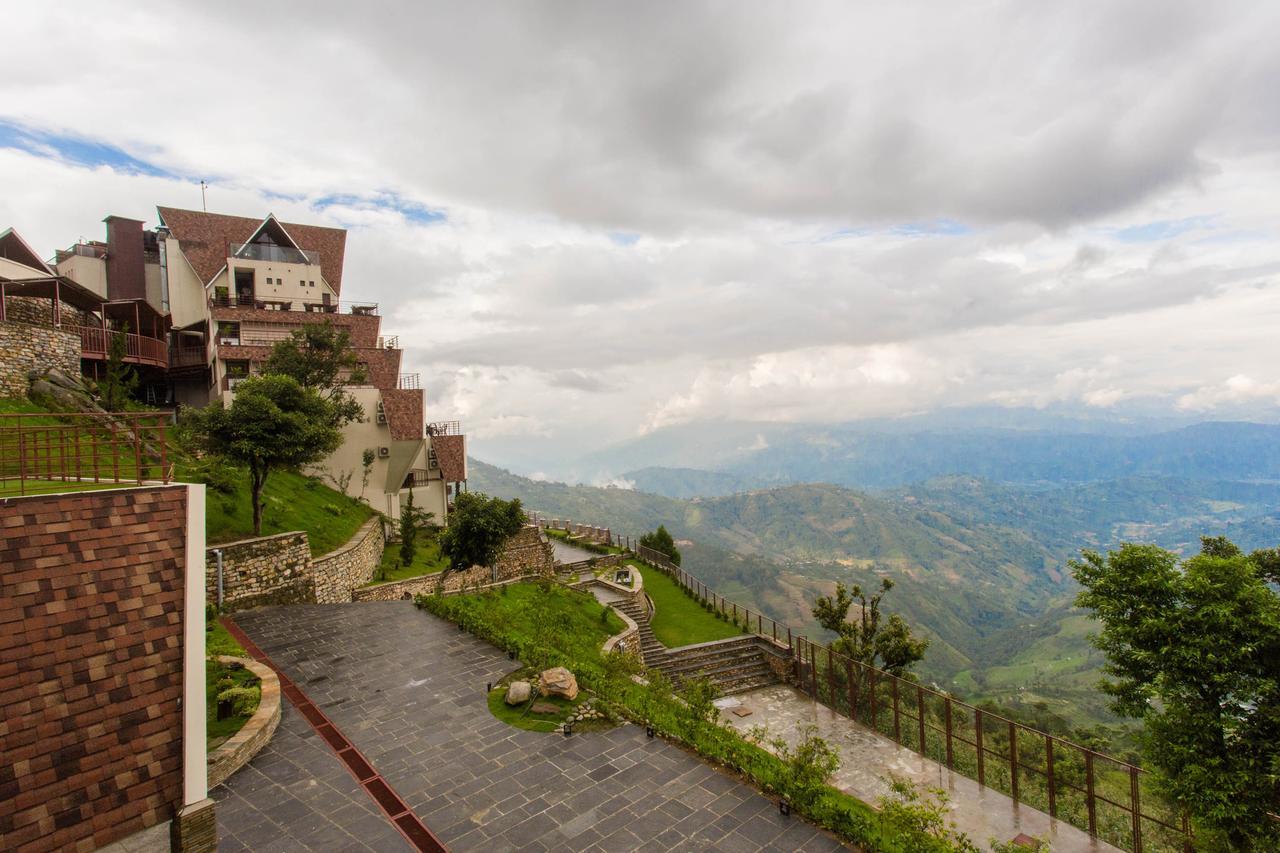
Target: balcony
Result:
[[357, 309], [188, 357], [417, 477], [445, 428], [409, 382], [95, 344], [274, 254]]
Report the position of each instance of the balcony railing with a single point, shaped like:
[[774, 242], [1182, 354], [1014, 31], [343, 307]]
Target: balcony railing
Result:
[[417, 477], [138, 349], [445, 428], [302, 306], [275, 254], [188, 357], [82, 451], [409, 382]]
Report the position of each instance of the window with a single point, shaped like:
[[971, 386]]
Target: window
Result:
[[302, 283], [311, 284], [268, 279]]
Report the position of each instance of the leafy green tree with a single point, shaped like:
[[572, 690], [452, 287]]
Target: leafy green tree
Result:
[[479, 527], [272, 423], [1193, 647], [120, 380], [887, 644], [319, 356], [660, 540]]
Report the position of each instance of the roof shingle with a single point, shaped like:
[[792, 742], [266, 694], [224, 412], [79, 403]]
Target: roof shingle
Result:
[[205, 238]]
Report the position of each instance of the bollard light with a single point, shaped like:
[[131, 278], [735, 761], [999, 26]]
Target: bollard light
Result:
[[649, 731], [784, 806], [568, 729], [488, 687], [511, 655]]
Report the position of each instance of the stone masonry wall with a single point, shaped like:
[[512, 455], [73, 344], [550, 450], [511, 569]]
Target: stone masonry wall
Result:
[[527, 555], [26, 348], [91, 604], [338, 573], [269, 570]]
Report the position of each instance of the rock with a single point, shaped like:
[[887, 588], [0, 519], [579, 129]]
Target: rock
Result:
[[545, 708], [558, 681], [519, 692]]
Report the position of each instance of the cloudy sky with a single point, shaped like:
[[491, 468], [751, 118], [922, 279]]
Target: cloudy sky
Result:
[[591, 220]]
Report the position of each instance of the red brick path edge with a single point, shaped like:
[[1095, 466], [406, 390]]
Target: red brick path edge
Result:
[[378, 789]]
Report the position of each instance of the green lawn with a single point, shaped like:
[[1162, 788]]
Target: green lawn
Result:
[[563, 536], [427, 561], [293, 502], [678, 619], [218, 641]]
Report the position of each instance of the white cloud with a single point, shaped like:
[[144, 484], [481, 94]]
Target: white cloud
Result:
[[653, 218], [1236, 389]]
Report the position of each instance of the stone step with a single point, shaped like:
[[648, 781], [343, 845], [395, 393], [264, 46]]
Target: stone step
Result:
[[712, 661], [749, 684], [720, 672]]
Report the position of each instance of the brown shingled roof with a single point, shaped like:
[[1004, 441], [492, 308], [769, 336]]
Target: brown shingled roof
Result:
[[403, 408], [205, 236], [451, 454]]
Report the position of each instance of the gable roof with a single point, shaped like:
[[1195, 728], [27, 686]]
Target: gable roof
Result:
[[451, 455], [14, 248], [205, 236]]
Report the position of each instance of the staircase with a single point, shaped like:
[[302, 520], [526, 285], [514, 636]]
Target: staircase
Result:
[[734, 666]]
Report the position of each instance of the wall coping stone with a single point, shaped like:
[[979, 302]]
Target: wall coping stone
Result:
[[632, 628]]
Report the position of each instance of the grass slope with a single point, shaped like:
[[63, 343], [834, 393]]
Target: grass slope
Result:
[[679, 620], [426, 561]]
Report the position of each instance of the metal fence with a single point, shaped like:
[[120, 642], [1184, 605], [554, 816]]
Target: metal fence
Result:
[[1110, 798], [40, 454]]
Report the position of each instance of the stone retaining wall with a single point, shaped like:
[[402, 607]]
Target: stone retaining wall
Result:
[[27, 348], [628, 641], [339, 573], [257, 731], [267, 570], [527, 556]]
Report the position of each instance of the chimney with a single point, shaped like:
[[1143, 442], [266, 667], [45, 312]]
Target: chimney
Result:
[[125, 274]]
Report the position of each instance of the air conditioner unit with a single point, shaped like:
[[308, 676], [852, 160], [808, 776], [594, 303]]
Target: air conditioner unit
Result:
[[381, 416], [384, 452]]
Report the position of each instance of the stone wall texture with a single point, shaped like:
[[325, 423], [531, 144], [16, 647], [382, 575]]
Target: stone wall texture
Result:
[[25, 348], [268, 570], [256, 732], [91, 602], [340, 572], [527, 556]]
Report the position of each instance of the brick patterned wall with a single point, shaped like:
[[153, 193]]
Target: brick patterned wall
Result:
[[91, 600], [27, 348], [339, 572], [268, 570]]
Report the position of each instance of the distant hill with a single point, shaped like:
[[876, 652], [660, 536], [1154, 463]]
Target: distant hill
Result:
[[879, 455], [980, 566]]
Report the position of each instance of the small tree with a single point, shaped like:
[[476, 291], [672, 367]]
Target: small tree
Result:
[[120, 380], [479, 528], [272, 423], [319, 357], [1194, 649], [660, 540], [366, 468], [887, 645]]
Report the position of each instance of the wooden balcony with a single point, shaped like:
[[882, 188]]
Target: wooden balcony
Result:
[[95, 345]]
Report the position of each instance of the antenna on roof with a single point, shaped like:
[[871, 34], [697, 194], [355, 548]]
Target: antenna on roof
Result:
[[204, 202]]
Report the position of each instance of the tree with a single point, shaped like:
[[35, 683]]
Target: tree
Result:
[[120, 380], [412, 520], [887, 645], [319, 357], [660, 540], [1194, 650], [272, 423], [479, 528]]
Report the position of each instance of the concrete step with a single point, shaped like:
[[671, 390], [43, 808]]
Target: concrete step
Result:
[[731, 688]]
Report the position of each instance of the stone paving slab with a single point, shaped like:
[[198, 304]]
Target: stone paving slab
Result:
[[409, 690], [867, 759]]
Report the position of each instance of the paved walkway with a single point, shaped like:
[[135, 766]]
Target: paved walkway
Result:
[[408, 690], [867, 759], [566, 553]]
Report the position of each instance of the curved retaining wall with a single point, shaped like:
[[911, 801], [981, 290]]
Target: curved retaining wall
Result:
[[256, 732]]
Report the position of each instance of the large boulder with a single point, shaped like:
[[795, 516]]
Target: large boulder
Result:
[[518, 693], [558, 681]]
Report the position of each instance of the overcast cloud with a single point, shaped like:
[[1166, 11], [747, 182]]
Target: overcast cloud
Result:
[[591, 220]]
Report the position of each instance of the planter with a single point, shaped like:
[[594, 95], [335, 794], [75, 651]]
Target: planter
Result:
[[257, 730]]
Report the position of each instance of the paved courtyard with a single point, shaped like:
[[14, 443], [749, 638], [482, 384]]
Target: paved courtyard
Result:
[[408, 690], [867, 759]]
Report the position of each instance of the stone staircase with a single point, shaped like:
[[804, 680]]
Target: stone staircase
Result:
[[735, 665]]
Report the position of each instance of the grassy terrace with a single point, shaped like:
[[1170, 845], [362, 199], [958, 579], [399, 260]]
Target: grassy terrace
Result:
[[678, 619], [563, 536], [427, 561]]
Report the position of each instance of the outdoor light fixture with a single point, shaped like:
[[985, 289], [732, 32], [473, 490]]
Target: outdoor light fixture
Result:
[[649, 731], [784, 806], [488, 687], [511, 655], [568, 729]]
